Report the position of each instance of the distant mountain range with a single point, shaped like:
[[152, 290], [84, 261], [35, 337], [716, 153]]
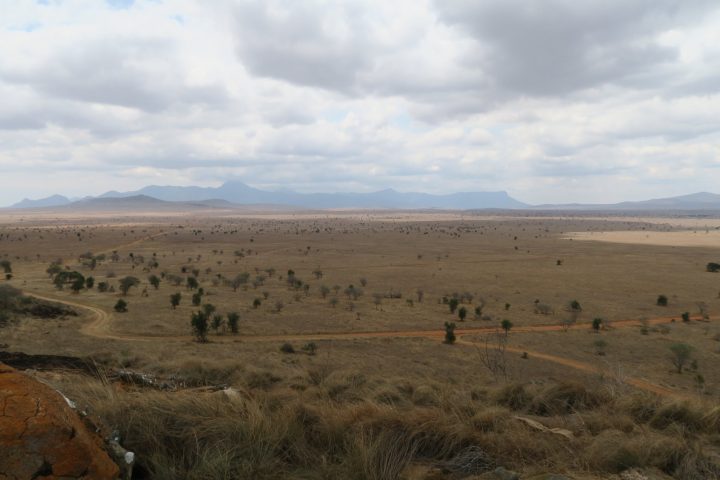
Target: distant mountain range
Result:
[[236, 194], [694, 201]]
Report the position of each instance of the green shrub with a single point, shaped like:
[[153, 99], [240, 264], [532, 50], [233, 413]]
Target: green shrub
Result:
[[449, 333], [121, 306]]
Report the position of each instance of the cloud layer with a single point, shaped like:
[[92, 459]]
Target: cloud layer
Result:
[[552, 100]]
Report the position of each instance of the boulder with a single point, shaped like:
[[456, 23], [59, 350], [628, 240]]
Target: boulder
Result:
[[42, 437]]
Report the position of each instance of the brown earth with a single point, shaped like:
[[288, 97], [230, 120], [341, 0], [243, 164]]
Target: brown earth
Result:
[[41, 437]]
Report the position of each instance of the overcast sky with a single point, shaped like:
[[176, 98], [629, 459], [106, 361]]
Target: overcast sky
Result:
[[551, 100]]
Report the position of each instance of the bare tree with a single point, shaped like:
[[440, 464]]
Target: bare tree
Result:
[[493, 357]]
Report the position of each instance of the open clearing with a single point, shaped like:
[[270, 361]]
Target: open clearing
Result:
[[690, 238]]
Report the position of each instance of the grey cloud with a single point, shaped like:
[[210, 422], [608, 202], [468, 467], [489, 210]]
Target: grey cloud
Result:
[[129, 73], [290, 41], [555, 47]]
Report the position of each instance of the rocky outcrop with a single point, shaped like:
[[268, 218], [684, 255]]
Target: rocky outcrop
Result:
[[41, 437]]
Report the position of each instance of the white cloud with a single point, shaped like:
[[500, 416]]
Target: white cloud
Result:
[[552, 101]]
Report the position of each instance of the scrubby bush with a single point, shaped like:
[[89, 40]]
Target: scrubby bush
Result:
[[681, 353], [449, 333], [121, 306], [199, 325], [175, 300], [233, 319]]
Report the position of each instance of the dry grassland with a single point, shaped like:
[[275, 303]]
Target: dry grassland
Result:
[[381, 358]]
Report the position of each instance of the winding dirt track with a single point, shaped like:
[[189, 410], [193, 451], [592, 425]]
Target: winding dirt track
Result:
[[100, 326]]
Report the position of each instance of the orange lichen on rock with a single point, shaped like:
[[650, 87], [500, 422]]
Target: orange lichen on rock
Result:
[[41, 437]]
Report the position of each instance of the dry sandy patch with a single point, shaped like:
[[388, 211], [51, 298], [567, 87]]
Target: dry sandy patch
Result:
[[688, 238]]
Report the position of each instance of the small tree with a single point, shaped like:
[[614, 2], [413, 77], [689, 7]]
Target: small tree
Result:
[[324, 291], [233, 319], [310, 348], [574, 306], [449, 333], [199, 324], [77, 284], [154, 281], [103, 287], [126, 283], [192, 283], [680, 355], [462, 313], [209, 309], [197, 299], [256, 303], [175, 300], [239, 280], [662, 301], [121, 306], [287, 348], [89, 282], [597, 324], [6, 266], [453, 304], [685, 316], [217, 322], [377, 300], [506, 325], [713, 267]]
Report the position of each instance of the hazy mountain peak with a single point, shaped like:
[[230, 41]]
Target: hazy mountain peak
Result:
[[51, 201]]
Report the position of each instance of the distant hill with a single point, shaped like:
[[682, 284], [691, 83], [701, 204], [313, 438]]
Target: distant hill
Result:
[[237, 195], [240, 193], [694, 201], [135, 202], [145, 203], [53, 201]]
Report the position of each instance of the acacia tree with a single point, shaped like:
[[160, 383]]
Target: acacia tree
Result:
[[239, 280], [6, 266], [462, 313], [175, 300], [121, 306], [217, 322], [154, 281], [681, 353], [126, 283], [453, 304], [233, 319], [506, 325], [76, 280], [597, 324], [199, 324], [449, 333]]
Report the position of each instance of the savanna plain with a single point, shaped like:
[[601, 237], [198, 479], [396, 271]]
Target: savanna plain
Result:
[[379, 345]]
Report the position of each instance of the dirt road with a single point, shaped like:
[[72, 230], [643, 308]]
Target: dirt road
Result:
[[100, 326]]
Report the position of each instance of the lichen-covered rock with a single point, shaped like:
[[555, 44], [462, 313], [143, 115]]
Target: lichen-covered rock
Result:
[[42, 437]]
